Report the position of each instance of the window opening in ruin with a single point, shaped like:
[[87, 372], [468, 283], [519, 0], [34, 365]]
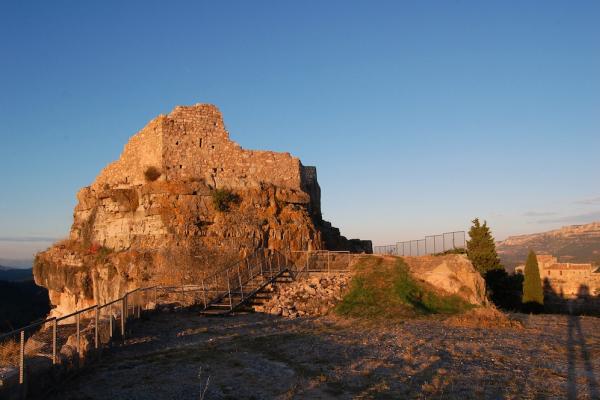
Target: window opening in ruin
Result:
[[200, 142], [214, 170], [180, 166], [212, 147]]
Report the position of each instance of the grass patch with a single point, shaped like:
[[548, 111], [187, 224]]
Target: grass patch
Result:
[[384, 288]]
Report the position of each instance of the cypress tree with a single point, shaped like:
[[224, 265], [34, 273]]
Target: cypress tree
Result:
[[533, 294], [481, 249]]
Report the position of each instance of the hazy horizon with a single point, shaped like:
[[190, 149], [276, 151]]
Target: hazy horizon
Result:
[[418, 116]]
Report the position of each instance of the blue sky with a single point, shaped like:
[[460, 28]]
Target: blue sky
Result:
[[419, 115]]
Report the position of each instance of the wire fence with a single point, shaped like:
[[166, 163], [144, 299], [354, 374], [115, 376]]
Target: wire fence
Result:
[[433, 244]]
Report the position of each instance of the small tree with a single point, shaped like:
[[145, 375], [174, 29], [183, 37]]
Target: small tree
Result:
[[481, 249], [533, 294]]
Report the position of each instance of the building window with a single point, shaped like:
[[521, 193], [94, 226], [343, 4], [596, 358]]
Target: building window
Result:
[[200, 142]]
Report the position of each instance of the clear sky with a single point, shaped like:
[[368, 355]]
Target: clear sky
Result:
[[419, 115]]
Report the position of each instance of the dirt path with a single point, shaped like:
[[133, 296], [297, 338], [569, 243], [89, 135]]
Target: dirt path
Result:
[[255, 356]]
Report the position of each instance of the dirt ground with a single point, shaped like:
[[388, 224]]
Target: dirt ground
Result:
[[256, 356]]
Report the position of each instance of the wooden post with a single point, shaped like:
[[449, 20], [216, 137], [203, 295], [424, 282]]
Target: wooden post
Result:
[[54, 329], [96, 321], [22, 358]]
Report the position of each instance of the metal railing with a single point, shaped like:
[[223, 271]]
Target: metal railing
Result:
[[310, 261], [65, 340], [433, 244]]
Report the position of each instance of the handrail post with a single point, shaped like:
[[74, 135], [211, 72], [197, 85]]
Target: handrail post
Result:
[[77, 323], [229, 291], [203, 293], [261, 267], [123, 315], [96, 320], [240, 281], [22, 358], [54, 323]]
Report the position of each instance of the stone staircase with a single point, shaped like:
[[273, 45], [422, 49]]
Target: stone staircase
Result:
[[242, 285]]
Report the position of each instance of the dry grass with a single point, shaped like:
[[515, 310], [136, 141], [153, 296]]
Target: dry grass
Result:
[[483, 317], [9, 353]]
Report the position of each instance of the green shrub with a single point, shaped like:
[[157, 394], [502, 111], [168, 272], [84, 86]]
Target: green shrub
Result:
[[223, 198], [152, 174]]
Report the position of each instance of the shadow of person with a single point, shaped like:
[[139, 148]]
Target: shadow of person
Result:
[[576, 339]]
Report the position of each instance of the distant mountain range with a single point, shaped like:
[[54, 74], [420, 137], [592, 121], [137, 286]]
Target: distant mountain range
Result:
[[15, 274], [574, 243]]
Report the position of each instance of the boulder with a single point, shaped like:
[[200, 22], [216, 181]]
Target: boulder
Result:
[[451, 273]]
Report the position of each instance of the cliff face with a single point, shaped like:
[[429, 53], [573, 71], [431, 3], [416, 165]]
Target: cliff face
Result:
[[181, 201]]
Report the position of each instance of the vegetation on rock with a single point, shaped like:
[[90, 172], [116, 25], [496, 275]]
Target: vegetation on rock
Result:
[[385, 288], [151, 174], [223, 198], [533, 293]]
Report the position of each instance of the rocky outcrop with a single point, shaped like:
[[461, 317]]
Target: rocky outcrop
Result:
[[452, 273], [181, 201]]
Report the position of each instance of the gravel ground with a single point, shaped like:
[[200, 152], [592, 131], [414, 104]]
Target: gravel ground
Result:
[[257, 356]]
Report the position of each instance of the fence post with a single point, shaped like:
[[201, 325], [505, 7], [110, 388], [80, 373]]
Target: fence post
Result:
[[110, 323], [155, 297], [96, 320], [203, 293], [123, 315], [77, 323], [22, 358], [54, 323]]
